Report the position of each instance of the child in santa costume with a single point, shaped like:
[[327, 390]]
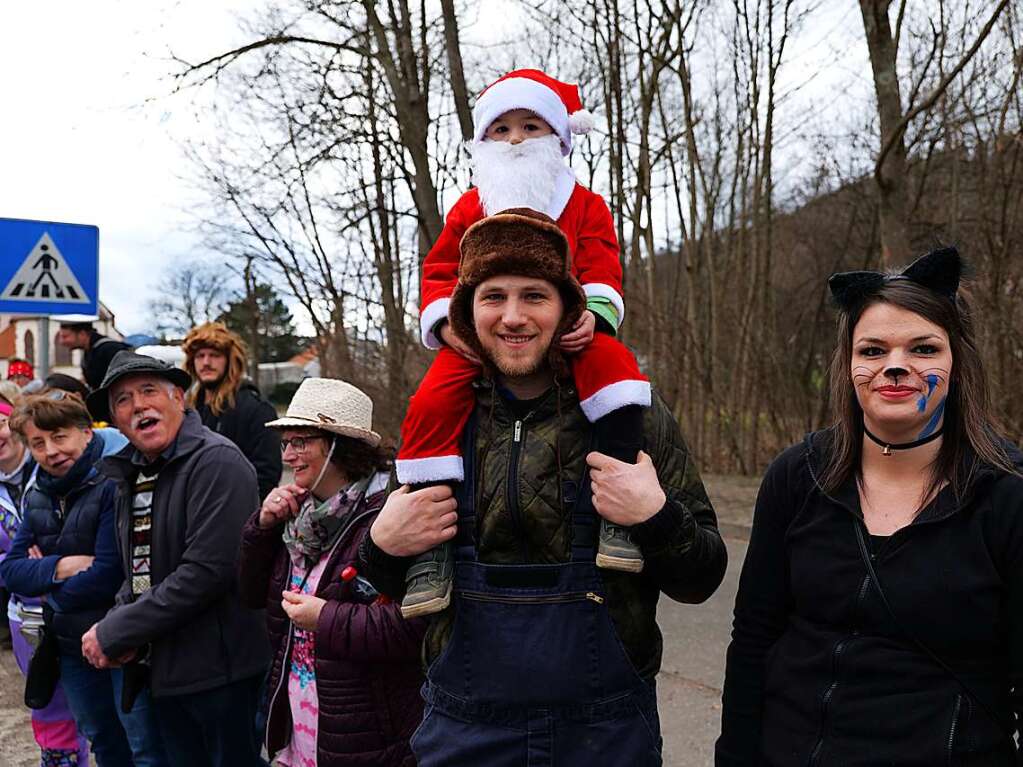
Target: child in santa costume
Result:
[[523, 131]]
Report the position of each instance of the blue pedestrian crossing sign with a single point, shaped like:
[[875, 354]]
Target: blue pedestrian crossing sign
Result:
[[48, 267]]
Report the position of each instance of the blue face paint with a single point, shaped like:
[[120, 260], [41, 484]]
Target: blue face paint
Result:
[[932, 383], [935, 420]]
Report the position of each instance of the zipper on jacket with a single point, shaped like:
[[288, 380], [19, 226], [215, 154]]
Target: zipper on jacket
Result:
[[952, 728], [579, 596], [512, 486], [836, 658], [291, 629]]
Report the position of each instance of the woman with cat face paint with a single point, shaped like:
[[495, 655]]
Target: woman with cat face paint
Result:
[[879, 617]]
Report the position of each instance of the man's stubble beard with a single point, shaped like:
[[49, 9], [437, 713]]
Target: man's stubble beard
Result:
[[212, 385], [512, 367]]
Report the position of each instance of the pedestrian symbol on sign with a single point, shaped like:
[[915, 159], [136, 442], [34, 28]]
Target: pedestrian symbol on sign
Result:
[[44, 276]]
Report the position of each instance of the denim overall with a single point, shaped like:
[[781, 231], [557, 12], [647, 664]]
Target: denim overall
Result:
[[533, 673]]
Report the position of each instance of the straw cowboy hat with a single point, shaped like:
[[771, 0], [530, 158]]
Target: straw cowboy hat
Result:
[[330, 405]]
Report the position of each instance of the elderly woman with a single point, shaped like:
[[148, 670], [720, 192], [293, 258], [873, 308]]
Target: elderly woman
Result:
[[344, 683], [879, 618], [65, 551]]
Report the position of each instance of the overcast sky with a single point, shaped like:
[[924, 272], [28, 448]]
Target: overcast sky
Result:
[[78, 141], [90, 135]]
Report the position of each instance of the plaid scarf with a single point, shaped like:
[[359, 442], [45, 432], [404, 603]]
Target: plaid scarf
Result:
[[315, 529]]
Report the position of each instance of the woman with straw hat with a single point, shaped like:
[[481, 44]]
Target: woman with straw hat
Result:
[[344, 682]]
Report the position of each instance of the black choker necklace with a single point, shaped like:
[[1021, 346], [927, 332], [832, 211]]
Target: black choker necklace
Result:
[[888, 447]]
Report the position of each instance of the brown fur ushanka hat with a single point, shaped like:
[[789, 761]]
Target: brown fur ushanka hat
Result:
[[520, 242]]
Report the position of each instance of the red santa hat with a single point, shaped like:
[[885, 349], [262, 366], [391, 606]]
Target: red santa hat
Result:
[[556, 102]]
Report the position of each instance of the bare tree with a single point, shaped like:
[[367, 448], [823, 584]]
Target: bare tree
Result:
[[191, 292]]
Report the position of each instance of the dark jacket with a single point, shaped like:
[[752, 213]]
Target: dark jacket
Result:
[[97, 357], [243, 425], [201, 635], [367, 657], [520, 520], [80, 521], [819, 672]]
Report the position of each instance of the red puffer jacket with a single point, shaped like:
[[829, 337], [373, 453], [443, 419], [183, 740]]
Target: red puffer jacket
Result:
[[368, 671]]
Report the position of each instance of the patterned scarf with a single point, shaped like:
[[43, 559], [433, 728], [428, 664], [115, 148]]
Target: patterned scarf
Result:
[[314, 530]]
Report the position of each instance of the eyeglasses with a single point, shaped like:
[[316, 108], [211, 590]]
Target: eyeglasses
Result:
[[300, 444]]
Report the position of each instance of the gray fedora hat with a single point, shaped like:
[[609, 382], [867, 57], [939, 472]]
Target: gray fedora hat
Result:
[[128, 363]]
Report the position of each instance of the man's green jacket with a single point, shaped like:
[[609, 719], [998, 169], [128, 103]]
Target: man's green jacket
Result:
[[519, 519]]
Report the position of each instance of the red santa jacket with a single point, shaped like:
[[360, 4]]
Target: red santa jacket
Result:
[[583, 217]]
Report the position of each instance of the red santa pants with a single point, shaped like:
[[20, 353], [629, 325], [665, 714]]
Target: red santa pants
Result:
[[606, 375]]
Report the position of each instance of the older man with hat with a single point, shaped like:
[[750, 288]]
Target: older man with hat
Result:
[[184, 494]]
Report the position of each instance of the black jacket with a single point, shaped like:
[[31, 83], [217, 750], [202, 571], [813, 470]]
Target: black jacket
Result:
[[201, 635], [243, 425], [97, 357], [820, 673]]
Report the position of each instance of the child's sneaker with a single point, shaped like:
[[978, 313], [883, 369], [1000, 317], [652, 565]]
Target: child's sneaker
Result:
[[616, 550], [619, 435], [428, 582]]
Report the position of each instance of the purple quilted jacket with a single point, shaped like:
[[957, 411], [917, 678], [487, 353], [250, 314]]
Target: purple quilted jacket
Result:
[[368, 671]]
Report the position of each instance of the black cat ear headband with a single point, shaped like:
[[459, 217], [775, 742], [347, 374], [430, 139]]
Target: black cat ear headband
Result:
[[939, 271]]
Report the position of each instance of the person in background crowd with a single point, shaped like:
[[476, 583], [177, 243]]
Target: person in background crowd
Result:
[[183, 496], [76, 332], [20, 372], [346, 676], [65, 551], [543, 657], [880, 608], [229, 403]]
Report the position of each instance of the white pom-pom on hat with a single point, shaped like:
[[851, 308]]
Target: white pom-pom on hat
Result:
[[581, 121]]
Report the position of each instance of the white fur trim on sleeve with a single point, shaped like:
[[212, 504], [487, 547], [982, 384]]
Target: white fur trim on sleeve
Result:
[[432, 314], [600, 290], [412, 471], [614, 396]]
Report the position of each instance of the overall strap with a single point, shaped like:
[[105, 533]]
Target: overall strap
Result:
[[465, 494], [585, 520]]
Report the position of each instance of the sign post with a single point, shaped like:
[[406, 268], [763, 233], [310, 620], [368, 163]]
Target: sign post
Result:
[[48, 268]]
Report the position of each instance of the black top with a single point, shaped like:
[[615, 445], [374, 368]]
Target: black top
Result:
[[820, 673], [98, 356], [243, 424]]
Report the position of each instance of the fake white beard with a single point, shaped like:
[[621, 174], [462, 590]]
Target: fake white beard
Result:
[[516, 175]]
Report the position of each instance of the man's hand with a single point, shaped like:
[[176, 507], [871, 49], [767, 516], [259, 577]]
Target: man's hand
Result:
[[281, 504], [69, 566], [623, 493], [581, 334], [450, 338], [34, 552], [303, 609], [413, 522], [92, 651]]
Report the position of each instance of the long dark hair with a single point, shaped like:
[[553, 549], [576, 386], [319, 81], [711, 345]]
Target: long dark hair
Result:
[[970, 433]]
